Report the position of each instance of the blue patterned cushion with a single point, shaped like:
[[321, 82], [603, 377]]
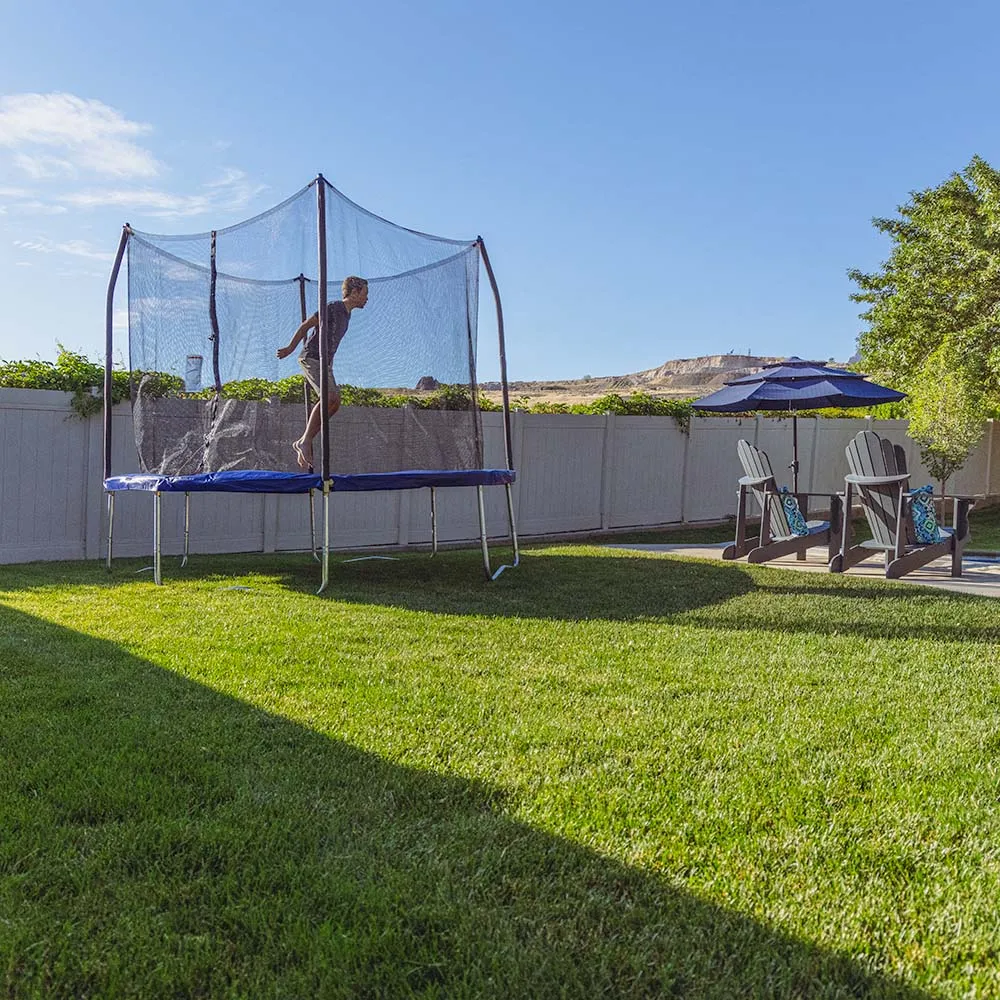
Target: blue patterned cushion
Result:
[[796, 522], [925, 525]]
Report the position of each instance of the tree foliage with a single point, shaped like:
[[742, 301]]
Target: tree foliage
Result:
[[946, 415], [938, 294]]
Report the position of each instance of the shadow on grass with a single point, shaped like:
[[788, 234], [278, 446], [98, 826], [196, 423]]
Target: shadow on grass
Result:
[[556, 585], [162, 839], [571, 584]]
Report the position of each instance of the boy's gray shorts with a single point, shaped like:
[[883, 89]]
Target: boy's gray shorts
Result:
[[311, 370]]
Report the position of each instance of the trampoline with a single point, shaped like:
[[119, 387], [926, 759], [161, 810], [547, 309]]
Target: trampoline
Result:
[[230, 297]]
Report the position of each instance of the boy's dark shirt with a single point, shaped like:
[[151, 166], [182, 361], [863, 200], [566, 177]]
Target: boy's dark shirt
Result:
[[337, 319]]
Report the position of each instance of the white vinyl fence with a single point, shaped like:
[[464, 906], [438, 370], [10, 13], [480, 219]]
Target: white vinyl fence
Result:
[[575, 473]]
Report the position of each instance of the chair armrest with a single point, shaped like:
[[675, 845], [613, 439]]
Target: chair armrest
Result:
[[750, 481], [876, 480]]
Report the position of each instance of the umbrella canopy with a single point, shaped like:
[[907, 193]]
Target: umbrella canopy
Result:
[[796, 385]]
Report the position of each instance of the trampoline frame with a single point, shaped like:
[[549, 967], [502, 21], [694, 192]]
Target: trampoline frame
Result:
[[352, 484]]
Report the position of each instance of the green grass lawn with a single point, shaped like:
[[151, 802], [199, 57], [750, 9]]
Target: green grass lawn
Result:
[[608, 774]]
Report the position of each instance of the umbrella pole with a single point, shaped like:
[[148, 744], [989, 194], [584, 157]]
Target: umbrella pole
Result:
[[795, 452]]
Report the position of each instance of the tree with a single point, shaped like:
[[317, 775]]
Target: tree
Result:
[[946, 415], [939, 291]]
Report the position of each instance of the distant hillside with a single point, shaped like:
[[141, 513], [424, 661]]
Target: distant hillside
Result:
[[678, 379]]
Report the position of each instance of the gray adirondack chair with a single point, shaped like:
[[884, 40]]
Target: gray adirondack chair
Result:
[[879, 481], [775, 537]]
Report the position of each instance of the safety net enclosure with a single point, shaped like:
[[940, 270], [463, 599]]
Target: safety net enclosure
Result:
[[207, 313]]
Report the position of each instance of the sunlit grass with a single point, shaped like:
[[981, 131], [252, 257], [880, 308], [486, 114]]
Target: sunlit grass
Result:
[[606, 774]]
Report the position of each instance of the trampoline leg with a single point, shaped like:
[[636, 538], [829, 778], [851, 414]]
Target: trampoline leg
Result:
[[326, 537], [312, 524], [434, 524], [482, 533], [513, 532], [187, 527], [111, 526], [513, 535], [157, 578]]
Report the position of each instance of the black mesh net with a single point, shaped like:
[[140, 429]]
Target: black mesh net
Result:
[[228, 402]]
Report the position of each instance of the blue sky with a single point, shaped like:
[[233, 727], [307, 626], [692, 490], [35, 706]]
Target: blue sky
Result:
[[652, 180]]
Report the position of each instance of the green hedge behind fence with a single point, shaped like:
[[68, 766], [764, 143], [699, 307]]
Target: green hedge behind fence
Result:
[[75, 373]]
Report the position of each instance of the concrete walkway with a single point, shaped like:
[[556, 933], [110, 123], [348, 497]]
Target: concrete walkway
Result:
[[980, 574]]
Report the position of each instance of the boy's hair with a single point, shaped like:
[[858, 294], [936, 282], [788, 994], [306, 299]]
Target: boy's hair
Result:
[[352, 284]]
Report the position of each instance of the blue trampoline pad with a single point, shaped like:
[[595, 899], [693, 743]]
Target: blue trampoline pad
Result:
[[263, 481], [415, 478], [244, 481]]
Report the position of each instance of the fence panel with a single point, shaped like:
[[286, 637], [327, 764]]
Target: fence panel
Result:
[[561, 458], [712, 467], [44, 455], [646, 471]]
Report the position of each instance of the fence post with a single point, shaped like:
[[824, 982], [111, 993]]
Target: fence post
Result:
[[685, 463], [270, 527], [93, 499], [403, 515], [607, 469]]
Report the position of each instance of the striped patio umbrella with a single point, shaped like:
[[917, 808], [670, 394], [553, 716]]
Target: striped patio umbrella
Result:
[[793, 385]]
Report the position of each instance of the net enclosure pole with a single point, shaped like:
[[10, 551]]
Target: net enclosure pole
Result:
[[508, 445], [324, 360], [214, 320], [109, 345]]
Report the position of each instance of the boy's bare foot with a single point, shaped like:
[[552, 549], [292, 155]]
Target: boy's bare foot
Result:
[[303, 454]]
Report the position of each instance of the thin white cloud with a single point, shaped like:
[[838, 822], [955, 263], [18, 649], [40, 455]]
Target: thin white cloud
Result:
[[75, 248], [229, 193], [37, 246], [36, 207], [59, 132]]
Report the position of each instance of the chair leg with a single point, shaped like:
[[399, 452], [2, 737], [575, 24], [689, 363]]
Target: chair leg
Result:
[[740, 546], [836, 529]]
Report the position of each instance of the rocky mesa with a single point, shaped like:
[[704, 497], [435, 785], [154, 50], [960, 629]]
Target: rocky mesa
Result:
[[678, 379]]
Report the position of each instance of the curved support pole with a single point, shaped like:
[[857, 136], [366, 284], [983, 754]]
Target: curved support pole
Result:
[[508, 443], [326, 536], [434, 524], [312, 519], [157, 541], [513, 536], [109, 345], [111, 525], [482, 534]]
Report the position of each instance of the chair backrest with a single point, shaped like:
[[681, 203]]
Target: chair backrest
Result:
[[756, 465], [871, 455]]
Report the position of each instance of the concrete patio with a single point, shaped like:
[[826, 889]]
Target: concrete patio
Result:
[[980, 574]]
